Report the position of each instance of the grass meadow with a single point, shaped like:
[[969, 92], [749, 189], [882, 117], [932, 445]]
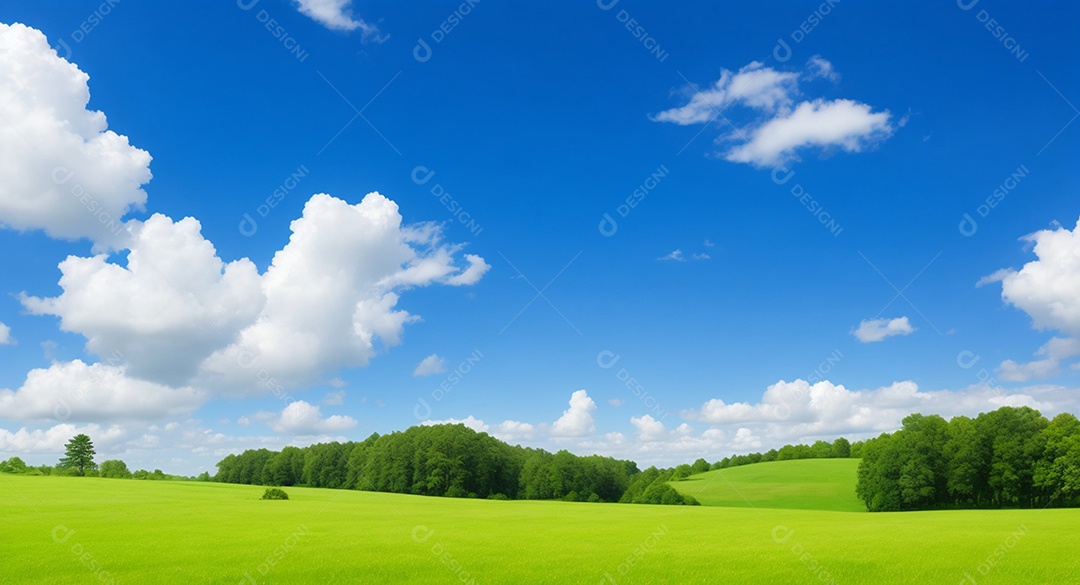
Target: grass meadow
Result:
[[806, 484], [92, 530]]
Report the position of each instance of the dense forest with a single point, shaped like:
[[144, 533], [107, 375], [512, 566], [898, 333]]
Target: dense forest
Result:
[[454, 461], [1008, 458]]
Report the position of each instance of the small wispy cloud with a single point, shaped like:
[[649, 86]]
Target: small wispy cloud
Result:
[[872, 330], [429, 366]]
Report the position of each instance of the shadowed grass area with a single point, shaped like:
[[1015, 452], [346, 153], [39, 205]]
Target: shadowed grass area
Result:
[[89, 530], [805, 484]]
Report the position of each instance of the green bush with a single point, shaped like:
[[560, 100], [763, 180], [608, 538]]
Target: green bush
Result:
[[13, 465], [275, 494]]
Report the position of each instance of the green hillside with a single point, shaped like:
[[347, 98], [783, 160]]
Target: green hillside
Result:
[[91, 530], [805, 484]]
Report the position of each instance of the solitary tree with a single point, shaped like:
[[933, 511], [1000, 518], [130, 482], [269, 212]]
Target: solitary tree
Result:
[[79, 454]]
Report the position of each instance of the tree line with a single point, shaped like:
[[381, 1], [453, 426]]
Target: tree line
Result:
[[78, 460], [454, 461], [1008, 458]]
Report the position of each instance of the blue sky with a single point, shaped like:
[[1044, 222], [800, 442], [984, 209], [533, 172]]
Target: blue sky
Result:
[[793, 170]]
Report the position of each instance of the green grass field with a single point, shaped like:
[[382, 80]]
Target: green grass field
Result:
[[808, 484], [89, 530]]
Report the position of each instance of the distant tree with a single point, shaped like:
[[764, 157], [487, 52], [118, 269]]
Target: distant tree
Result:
[[13, 465], [114, 468], [856, 449], [141, 474], [1015, 440], [965, 461], [821, 449], [79, 454], [841, 448], [699, 466], [681, 472], [204, 476], [1057, 473], [287, 467]]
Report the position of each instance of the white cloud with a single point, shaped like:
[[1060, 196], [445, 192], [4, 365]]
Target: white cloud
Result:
[[873, 330], [97, 392], [799, 410], [5, 335], [850, 125], [1057, 350], [781, 127], [754, 86], [471, 275], [745, 440], [429, 366], [334, 398], [469, 421], [512, 430], [702, 256], [675, 256], [508, 430], [63, 171], [167, 309], [302, 418], [819, 67], [616, 402], [649, 429], [176, 314], [337, 15], [1046, 289], [576, 420], [332, 293], [53, 439]]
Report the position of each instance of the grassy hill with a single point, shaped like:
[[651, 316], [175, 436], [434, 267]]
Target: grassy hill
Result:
[[806, 484], [89, 530]]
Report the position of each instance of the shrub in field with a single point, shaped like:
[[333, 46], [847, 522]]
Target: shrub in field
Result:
[[13, 465], [275, 494], [114, 468]]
